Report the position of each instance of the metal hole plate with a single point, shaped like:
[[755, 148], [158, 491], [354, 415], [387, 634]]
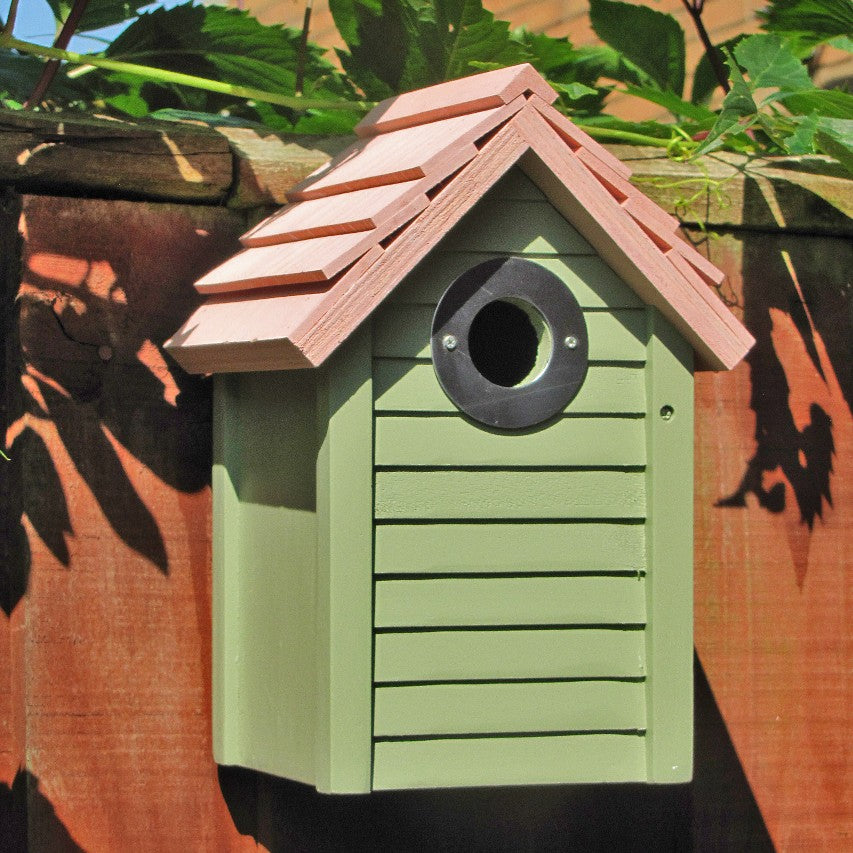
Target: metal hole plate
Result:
[[526, 404]]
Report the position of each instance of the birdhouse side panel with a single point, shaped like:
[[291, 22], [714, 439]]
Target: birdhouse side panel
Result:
[[264, 572], [510, 565]]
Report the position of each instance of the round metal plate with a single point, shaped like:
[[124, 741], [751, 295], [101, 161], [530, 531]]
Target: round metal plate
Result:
[[528, 403]]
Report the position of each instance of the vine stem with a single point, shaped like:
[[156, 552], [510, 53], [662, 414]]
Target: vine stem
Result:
[[694, 9], [61, 42], [303, 48], [9, 26], [616, 135], [160, 75]]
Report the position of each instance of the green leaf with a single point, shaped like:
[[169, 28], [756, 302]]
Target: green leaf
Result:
[[651, 40], [835, 138], [671, 101], [346, 16], [842, 43], [566, 70], [654, 129], [99, 13], [739, 111], [809, 22], [574, 91], [221, 44], [802, 140], [130, 103], [399, 45], [19, 75], [825, 102], [596, 61], [705, 81], [770, 63]]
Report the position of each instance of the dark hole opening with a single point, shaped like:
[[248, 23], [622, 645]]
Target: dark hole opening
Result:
[[504, 343]]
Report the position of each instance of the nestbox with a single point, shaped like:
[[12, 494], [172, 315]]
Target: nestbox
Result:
[[453, 456]]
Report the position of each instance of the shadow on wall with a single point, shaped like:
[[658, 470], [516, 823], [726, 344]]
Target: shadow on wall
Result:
[[24, 805], [796, 297], [716, 812], [101, 290]]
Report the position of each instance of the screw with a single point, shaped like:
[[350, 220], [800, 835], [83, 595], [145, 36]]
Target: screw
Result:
[[105, 352], [450, 342], [571, 342], [667, 412]]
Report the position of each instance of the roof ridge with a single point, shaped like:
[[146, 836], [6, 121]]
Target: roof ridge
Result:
[[453, 98]]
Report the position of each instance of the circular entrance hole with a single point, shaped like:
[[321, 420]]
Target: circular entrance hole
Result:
[[509, 342]]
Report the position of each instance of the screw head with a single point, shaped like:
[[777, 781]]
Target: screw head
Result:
[[450, 342], [667, 412], [571, 342]]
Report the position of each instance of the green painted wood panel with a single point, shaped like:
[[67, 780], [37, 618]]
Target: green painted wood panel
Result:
[[510, 494], [489, 655], [264, 672], [669, 541], [569, 600], [516, 185], [523, 227], [345, 582], [403, 331], [517, 548], [403, 385], [562, 706], [590, 280], [542, 760], [452, 441]]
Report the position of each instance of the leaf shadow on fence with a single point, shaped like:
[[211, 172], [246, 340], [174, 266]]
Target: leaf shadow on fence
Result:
[[796, 300], [28, 820], [102, 285]]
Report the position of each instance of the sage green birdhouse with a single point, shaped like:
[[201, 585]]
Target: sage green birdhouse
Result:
[[453, 458]]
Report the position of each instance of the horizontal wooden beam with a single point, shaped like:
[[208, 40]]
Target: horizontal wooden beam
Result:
[[249, 168]]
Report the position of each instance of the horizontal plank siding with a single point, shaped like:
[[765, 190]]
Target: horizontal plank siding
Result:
[[403, 331], [512, 548], [590, 280], [489, 655], [561, 706], [510, 565], [508, 761], [454, 441], [446, 602], [405, 385], [509, 494]]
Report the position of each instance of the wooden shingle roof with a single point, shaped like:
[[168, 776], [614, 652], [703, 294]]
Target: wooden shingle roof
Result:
[[309, 275]]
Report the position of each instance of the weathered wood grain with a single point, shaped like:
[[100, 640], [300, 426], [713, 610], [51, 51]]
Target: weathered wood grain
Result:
[[808, 195], [153, 160], [115, 440]]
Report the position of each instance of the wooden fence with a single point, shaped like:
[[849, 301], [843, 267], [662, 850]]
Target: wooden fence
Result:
[[105, 738]]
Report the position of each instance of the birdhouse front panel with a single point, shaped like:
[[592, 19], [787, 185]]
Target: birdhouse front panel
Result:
[[516, 630]]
